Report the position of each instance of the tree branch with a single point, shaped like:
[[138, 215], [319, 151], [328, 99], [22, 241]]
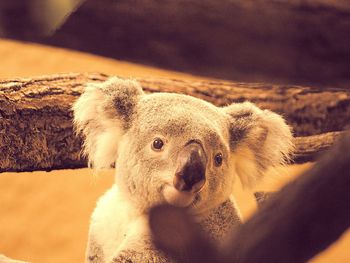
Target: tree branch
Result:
[[36, 116], [309, 148]]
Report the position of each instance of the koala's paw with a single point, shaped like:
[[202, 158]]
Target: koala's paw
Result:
[[148, 255], [94, 252]]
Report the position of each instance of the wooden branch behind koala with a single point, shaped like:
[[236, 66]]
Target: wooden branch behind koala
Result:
[[36, 117]]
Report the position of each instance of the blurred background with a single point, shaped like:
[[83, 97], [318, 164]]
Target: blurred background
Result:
[[288, 42], [44, 216]]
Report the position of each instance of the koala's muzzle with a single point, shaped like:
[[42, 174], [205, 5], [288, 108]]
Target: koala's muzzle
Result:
[[191, 166]]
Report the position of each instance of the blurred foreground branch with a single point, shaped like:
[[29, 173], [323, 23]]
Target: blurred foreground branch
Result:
[[297, 223], [36, 117], [299, 42]]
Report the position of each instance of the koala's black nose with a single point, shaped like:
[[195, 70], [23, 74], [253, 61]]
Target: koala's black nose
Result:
[[191, 166]]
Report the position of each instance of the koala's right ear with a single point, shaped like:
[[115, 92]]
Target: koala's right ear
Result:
[[102, 114]]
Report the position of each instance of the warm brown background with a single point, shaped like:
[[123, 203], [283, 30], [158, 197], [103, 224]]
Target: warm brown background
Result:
[[44, 217]]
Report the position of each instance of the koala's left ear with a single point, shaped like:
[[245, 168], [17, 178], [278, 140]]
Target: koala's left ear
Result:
[[102, 114], [259, 139]]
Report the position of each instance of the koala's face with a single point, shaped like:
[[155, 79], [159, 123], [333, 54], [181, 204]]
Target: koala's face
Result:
[[175, 148], [176, 151]]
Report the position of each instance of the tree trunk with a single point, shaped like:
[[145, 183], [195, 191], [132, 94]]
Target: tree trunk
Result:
[[36, 117]]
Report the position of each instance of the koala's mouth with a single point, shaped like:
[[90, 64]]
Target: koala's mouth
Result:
[[179, 198]]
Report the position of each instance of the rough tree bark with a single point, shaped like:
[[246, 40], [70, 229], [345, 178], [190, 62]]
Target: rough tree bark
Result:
[[309, 148], [298, 222], [36, 117], [290, 41]]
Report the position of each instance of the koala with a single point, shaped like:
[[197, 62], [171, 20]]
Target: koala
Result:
[[174, 149]]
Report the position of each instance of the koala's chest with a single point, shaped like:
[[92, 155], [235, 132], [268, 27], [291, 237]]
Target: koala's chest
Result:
[[114, 223], [115, 227]]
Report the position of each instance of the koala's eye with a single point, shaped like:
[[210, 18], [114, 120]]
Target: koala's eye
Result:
[[157, 144], [218, 159]]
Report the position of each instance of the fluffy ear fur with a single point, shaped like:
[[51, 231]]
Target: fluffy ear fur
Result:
[[259, 139], [102, 114]]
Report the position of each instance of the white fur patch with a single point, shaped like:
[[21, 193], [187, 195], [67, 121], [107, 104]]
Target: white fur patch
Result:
[[96, 117]]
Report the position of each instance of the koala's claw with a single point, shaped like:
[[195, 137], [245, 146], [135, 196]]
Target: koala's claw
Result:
[[146, 256]]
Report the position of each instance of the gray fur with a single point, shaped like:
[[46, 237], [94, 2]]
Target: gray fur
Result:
[[221, 221], [120, 122], [149, 254]]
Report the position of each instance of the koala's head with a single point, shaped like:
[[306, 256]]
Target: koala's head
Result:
[[175, 148]]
